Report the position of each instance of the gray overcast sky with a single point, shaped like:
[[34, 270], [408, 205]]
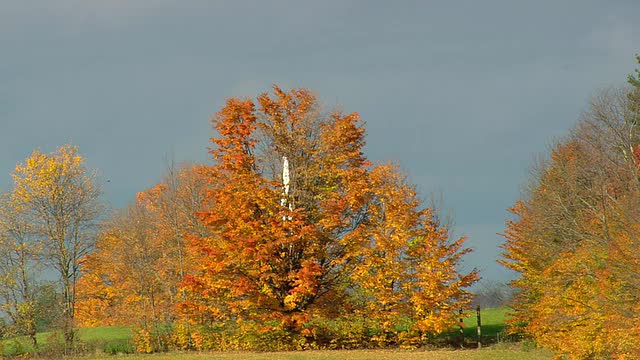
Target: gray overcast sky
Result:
[[462, 94]]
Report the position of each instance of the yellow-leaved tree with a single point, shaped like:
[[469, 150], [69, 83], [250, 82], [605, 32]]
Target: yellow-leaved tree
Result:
[[62, 200], [574, 238]]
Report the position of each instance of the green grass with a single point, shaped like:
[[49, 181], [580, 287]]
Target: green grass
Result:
[[113, 340], [105, 333], [109, 339], [493, 323]]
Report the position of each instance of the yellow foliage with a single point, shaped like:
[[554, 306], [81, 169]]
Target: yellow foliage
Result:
[[143, 341]]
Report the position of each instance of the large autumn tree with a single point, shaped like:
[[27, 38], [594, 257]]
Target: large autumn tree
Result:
[[574, 238], [303, 225]]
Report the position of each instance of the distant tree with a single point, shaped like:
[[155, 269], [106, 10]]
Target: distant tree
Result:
[[134, 276], [493, 294], [47, 306]]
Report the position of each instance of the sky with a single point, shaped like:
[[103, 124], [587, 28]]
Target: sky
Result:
[[462, 94]]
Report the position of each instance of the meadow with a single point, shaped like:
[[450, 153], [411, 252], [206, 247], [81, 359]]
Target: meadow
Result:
[[114, 342]]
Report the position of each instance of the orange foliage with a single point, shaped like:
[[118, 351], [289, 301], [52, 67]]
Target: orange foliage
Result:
[[354, 238], [574, 243], [243, 258], [135, 274]]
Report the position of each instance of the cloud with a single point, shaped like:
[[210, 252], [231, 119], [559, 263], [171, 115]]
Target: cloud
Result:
[[460, 94]]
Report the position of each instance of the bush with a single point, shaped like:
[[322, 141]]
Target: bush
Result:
[[17, 347], [118, 347], [143, 342], [181, 337]]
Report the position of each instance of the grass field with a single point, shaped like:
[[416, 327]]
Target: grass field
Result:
[[103, 341], [110, 339], [106, 333], [493, 324]]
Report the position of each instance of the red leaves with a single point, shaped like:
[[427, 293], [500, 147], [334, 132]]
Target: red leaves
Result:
[[236, 125]]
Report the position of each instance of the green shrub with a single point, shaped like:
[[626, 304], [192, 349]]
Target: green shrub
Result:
[[117, 347], [17, 346]]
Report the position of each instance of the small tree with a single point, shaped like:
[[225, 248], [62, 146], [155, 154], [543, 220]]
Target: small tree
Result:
[[134, 276], [62, 199], [20, 251]]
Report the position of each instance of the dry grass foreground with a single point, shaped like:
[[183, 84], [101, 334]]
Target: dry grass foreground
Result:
[[484, 354]]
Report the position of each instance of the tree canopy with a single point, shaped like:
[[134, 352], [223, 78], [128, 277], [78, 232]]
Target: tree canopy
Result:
[[294, 227], [574, 239]]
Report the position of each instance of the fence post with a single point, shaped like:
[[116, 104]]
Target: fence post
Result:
[[461, 328], [479, 327]]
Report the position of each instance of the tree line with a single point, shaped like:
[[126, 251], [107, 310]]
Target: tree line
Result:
[[574, 237], [290, 239], [293, 239]]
